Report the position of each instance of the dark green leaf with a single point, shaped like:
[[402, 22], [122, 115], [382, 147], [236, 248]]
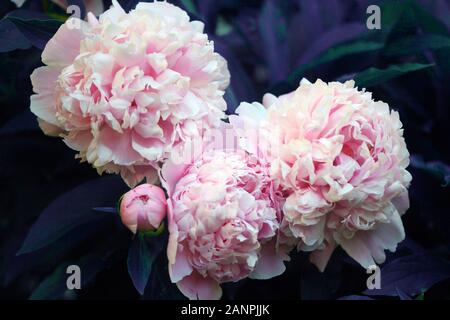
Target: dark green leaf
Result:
[[417, 44], [143, 252], [273, 29], [373, 76], [333, 54], [55, 285], [427, 21], [420, 296], [190, 7]]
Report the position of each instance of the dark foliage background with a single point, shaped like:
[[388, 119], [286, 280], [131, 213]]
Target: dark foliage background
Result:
[[47, 198]]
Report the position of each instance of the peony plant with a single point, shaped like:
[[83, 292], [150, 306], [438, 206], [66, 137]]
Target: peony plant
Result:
[[317, 168]]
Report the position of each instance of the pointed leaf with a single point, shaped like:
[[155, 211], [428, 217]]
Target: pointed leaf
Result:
[[106, 209], [72, 209], [38, 32], [411, 275], [11, 38], [436, 168], [142, 254], [417, 44], [55, 285], [373, 76], [334, 54]]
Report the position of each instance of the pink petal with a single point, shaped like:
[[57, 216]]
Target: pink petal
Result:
[[401, 202], [64, 47], [116, 147], [49, 129], [358, 250], [132, 176], [44, 79], [270, 264], [181, 268], [149, 148], [42, 105], [367, 247], [170, 174], [196, 287]]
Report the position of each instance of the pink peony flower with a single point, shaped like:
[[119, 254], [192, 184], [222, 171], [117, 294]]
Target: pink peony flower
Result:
[[223, 214], [340, 159], [143, 208], [126, 89]]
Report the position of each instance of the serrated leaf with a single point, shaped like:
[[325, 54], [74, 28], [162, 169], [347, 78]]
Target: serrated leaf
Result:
[[373, 76]]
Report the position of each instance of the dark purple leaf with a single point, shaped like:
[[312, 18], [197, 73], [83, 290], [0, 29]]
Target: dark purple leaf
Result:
[[128, 5], [24, 121], [273, 30], [106, 209], [17, 265], [435, 168], [11, 38], [411, 275], [329, 39], [37, 31], [402, 295], [161, 287], [54, 286], [241, 88], [72, 209], [355, 297], [143, 252]]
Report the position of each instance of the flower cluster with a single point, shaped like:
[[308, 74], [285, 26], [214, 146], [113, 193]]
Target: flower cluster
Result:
[[320, 167]]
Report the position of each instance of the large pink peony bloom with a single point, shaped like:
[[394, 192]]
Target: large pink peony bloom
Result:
[[340, 158], [223, 214], [124, 90]]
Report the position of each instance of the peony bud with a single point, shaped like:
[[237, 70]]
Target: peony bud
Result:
[[143, 208]]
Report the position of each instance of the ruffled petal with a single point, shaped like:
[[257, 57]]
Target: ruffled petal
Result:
[[64, 47], [367, 247], [180, 268], [270, 264], [196, 287]]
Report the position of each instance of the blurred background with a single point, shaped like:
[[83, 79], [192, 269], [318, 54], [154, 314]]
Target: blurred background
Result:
[[270, 45]]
